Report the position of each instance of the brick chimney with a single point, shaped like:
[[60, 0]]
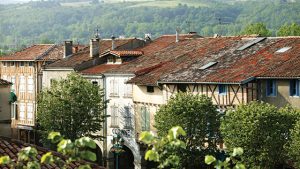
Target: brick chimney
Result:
[[68, 48], [94, 47]]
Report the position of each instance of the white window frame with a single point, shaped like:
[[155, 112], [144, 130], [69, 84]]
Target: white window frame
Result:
[[30, 111], [30, 84], [114, 88], [114, 116], [22, 111], [22, 83], [128, 89]]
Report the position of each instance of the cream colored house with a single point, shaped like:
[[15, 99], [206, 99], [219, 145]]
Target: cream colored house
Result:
[[5, 108]]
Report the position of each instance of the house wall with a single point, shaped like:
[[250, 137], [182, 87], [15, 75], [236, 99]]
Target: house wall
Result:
[[48, 75], [4, 103], [283, 94], [120, 95]]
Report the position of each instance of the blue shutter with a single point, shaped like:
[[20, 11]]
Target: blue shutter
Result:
[[274, 88], [297, 87], [291, 87]]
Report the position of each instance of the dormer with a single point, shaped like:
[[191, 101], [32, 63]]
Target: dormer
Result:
[[121, 56]]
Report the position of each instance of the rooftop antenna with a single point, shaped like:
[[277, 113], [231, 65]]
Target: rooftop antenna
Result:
[[97, 34]]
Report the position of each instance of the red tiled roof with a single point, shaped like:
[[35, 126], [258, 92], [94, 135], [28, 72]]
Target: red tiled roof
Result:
[[150, 58], [240, 66], [99, 69], [31, 53], [84, 55], [11, 148], [4, 82], [122, 53]]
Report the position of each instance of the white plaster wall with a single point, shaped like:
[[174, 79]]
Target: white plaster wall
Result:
[[53, 74], [141, 95]]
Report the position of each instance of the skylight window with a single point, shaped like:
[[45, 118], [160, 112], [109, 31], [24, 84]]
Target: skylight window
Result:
[[284, 49], [208, 65], [253, 42]]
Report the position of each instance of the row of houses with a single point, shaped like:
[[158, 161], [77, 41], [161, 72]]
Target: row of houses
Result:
[[139, 75]]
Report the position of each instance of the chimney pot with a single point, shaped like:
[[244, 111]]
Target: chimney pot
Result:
[[113, 42]]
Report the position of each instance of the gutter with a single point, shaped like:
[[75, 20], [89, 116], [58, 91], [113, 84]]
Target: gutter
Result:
[[161, 82], [270, 77]]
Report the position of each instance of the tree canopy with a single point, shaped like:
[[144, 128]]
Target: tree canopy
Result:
[[199, 118], [72, 106], [289, 30], [257, 28], [261, 130]]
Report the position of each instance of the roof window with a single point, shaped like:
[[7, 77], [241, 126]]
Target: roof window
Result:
[[251, 43], [210, 64], [284, 49]]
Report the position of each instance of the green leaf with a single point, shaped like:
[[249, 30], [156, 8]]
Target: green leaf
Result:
[[209, 159], [55, 137], [85, 167], [33, 165], [85, 142], [5, 160], [47, 158], [151, 155], [237, 151], [65, 145], [146, 137], [88, 155], [239, 166], [174, 132]]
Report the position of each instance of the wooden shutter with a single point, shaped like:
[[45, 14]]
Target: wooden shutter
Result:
[[147, 120]]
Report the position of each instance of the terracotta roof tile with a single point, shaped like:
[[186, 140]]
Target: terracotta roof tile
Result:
[[31, 53], [83, 55], [99, 69], [122, 53], [10, 147]]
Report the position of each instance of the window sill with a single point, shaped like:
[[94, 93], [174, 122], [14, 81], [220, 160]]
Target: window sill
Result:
[[295, 96], [113, 95]]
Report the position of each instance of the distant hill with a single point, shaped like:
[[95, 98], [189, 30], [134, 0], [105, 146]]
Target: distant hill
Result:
[[56, 20]]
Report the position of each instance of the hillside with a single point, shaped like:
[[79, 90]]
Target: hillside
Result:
[[55, 21]]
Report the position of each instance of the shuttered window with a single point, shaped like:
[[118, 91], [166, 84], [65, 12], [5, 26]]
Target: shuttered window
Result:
[[22, 84], [128, 89], [114, 88], [294, 87], [271, 89], [114, 116], [29, 111], [127, 117], [22, 111], [145, 118], [30, 85]]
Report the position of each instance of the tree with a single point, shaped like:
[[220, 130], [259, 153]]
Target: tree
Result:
[[256, 28], [293, 146], [289, 30], [199, 118], [162, 150], [72, 106], [261, 130], [28, 157]]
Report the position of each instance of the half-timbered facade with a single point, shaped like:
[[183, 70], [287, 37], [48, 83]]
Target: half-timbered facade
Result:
[[23, 70]]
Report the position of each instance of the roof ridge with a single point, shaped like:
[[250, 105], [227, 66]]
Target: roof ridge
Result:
[[46, 52]]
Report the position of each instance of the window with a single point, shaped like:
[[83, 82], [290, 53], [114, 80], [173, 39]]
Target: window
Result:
[[111, 59], [282, 50], [271, 88], [145, 118], [22, 84], [29, 111], [150, 89], [114, 90], [22, 111], [30, 64], [127, 117], [13, 81], [294, 87], [181, 88], [12, 64], [13, 110], [30, 85], [95, 83], [4, 64], [128, 89], [114, 116], [222, 89], [22, 63]]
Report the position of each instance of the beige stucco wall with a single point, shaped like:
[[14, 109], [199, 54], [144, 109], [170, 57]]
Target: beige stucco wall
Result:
[[140, 94], [54, 74], [283, 94]]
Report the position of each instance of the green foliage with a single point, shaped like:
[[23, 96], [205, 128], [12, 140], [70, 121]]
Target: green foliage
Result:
[[165, 150], [199, 118], [34, 23], [289, 30], [256, 28], [233, 161], [74, 107], [293, 146], [261, 130], [27, 157]]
